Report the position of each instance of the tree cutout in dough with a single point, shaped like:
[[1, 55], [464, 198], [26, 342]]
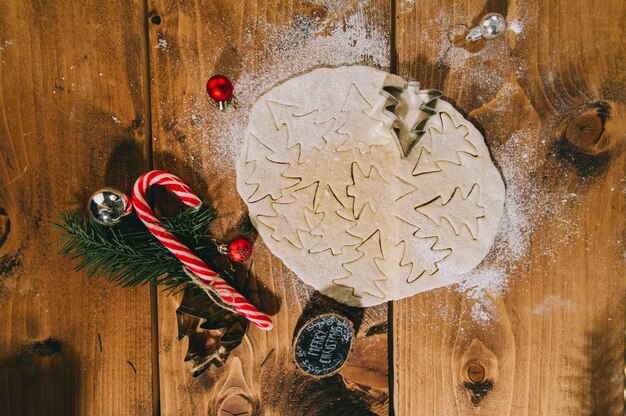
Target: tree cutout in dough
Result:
[[327, 221], [287, 157], [391, 265], [421, 254], [363, 273], [458, 211], [290, 215], [367, 223], [328, 172], [447, 178], [308, 240], [265, 168], [359, 126], [443, 143], [404, 206], [303, 130], [362, 186], [372, 189]]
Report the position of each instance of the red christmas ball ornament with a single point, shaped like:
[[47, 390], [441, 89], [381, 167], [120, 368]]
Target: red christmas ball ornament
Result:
[[220, 89], [239, 250]]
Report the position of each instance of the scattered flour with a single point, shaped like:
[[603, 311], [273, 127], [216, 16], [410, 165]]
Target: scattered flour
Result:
[[491, 280], [308, 43], [288, 50], [516, 26], [161, 44], [482, 312], [528, 205], [551, 302], [480, 286], [406, 6]]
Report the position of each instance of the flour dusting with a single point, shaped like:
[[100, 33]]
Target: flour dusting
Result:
[[161, 44], [306, 43], [552, 302], [480, 286], [516, 27], [528, 205], [290, 50], [406, 6]]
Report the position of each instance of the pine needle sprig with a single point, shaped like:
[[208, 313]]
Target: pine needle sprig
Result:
[[129, 255]]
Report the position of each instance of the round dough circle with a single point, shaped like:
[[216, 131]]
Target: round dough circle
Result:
[[332, 194]]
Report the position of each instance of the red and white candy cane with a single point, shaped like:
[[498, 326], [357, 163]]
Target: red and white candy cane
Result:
[[181, 251]]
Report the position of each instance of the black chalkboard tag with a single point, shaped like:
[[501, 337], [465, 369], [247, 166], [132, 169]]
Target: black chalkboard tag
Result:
[[323, 344]]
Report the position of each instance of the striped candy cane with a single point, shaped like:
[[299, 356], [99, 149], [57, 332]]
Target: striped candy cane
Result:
[[181, 251]]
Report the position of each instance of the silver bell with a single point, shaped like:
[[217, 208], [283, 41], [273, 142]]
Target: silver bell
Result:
[[108, 206], [493, 25]]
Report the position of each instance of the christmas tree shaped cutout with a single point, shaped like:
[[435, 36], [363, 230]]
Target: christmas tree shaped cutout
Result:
[[391, 265], [336, 178], [356, 120], [303, 130], [444, 143], [265, 168], [290, 217], [420, 253], [373, 189], [363, 273], [458, 211], [327, 221]]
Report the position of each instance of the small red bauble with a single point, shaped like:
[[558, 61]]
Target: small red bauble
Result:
[[239, 250], [219, 88]]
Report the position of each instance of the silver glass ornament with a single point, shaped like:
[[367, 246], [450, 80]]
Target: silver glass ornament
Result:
[[493, 25], [108, 206]]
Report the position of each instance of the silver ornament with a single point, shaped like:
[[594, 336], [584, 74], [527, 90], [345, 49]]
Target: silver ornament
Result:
[[493, 25], [108, 206]]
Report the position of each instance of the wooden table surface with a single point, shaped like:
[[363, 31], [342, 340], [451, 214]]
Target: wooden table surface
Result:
[[93, 93]]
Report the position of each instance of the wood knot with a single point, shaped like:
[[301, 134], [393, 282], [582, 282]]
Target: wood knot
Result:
[[585, 131], [5, 226], [236, 405], [47, 347], [10, 264], [29, 353], [478, 391], [476, 373], [476, 381]]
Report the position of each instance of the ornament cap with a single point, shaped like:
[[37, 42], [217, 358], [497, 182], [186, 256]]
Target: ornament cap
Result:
[[474, 34]]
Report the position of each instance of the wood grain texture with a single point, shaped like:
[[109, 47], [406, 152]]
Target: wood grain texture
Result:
[[553, 88], [72, 114], [73, 118], [189, 42]]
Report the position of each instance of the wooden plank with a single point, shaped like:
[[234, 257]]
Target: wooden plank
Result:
[[72, 120], [548, 96], [256, 44]]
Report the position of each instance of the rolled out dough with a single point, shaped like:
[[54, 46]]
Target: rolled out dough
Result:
[[330, 190]]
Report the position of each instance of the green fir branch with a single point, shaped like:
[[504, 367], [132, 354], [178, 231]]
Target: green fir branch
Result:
[[129, 255]]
